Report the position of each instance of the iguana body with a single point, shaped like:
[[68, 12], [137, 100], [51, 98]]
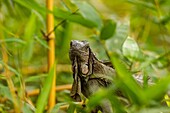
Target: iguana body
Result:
[[90, 74]]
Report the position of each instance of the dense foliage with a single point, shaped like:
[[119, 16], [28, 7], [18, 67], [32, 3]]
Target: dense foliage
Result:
[[132, 34]]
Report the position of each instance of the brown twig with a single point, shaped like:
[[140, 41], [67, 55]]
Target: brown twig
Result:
[[57, 88], [65, 107], [32, 70], [46, 36]]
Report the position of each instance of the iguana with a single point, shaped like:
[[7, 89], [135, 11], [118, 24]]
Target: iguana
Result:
[[89, 73]]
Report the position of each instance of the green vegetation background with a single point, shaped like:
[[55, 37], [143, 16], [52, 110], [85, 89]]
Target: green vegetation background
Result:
[[134, 33]]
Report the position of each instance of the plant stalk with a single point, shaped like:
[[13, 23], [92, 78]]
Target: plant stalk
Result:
[[9, 80], [51, 51]]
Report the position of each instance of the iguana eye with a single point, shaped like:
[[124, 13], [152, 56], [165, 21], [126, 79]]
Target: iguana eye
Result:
[[86, 47]]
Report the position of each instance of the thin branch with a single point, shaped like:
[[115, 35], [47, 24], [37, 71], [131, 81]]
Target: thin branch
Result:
[[9, 80], [58, 88], [46, 36], [34, 70]]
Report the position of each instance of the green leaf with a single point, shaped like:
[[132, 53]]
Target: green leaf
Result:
[[39, 10], [108, 30], [57, 107], [96, 99], [127, 83], [89, 13], [154, 59], [71, 108], [115, 43], [13, 40], [77, 18], [5, 92], [104, 94], [88, 17], [116, 104], [32, 4], [26, 108], [34, 78], [16, 73], [42, 42], [14, 70], [29, 37], [130, 87], [162, 109], [159, 89], [43, 97], [145, 4], [131, 49]]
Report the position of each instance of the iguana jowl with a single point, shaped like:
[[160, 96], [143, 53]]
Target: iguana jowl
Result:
[[89, 73]]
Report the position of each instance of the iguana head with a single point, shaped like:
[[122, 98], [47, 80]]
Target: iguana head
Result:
[[81, 65], [79, 49]]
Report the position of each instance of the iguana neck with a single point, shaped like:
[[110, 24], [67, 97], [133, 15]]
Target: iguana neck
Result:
[[100, 68]]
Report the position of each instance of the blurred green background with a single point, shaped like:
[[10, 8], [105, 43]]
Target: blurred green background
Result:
[[136, 31]]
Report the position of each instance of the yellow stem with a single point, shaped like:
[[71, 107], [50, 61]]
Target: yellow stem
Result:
[[51, 51], [33, 70], [57, 88]]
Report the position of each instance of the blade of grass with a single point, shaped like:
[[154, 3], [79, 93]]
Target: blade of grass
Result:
[[43, 97], [89, 13], [159, 89], [28, 37], [129, 85], [142, 3], [42, 42], [5, 92], [13, 40], [32, 4], [105, 94], [71, 108], [57, 107], [9, 80]]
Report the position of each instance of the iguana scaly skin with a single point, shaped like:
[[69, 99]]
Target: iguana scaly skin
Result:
[[89, 73]]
